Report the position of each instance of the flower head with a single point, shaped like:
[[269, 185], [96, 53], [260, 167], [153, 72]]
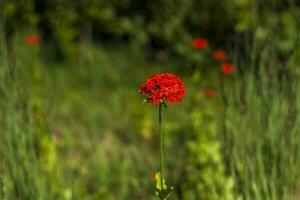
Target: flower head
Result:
[[199, 43], [220, 55], [209, 93], [32, 40], [227, 68], [161, 87]]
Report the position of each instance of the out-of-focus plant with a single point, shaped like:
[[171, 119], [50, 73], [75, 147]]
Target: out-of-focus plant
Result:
[[206, 176], [262, 123], [66, 24], [205, 172], [29, 151], [19, 159], [269, 23], [16, 16], [43, 140]]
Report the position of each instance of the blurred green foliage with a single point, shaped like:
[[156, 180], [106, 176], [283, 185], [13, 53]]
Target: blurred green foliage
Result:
[[205, 170], [163, 25], [77, 129], [264, 111]]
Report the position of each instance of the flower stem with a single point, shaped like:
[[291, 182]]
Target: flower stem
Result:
[[161, 145]]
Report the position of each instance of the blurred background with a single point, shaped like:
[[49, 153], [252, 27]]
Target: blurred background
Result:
[[73, 125]]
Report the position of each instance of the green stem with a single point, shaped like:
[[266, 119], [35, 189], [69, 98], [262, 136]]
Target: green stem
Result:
[[161, 145]]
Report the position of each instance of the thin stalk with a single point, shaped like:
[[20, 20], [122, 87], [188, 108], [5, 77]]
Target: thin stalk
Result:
[[224, 111], [161, 145]]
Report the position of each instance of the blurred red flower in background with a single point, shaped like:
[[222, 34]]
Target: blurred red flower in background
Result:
[[152, 176], [227, 68], [162, 87], [220, 55], [32, 40], [199, 43], [209, 93]]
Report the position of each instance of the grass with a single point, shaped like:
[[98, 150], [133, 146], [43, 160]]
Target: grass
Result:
[[80, 131], [84, 122], [262, 120]]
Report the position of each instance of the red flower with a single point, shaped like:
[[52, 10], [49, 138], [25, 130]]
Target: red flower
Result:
[[199, 43], [220, 55], [227, 68], [32, 40], [161, 87], [209, 93]]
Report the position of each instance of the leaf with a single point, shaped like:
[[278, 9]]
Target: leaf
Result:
[[162, 190], [158, 181], [165, 193]]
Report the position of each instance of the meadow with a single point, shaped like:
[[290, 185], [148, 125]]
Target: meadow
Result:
[[73, 124]]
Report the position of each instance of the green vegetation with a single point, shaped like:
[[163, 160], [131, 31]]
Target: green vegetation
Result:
[[73, 126]]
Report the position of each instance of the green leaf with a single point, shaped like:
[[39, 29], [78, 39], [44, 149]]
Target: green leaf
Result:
[[165, 193], [158, 181], [162, 190]]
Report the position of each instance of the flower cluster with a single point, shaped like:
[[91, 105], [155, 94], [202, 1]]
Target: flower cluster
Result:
[[220, 55], [32, 40], [161, 87], [199, 43], [227, 68]]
